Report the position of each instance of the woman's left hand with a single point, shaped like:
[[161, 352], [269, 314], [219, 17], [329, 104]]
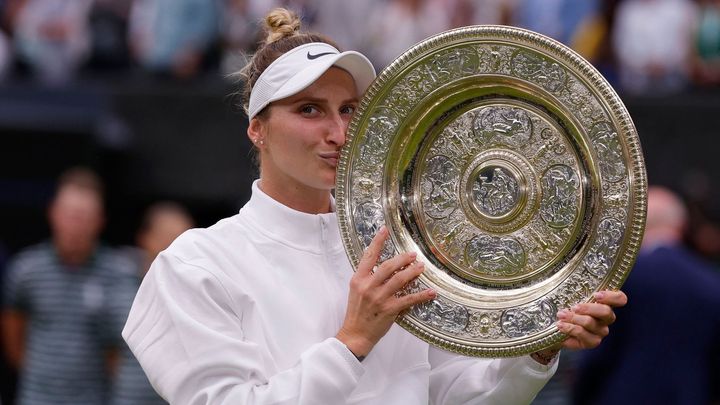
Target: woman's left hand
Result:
[[587, 324]]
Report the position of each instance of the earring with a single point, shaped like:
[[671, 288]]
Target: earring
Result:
[[262, 142]]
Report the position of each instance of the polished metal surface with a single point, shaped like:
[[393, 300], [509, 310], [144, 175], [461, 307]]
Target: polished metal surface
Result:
[[512, 168]]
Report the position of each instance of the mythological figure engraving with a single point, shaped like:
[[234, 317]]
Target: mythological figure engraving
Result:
[[548, 74], [599, 260], [609, 150], [380, 129], [503, 125], [496, 256], [560, 196], [495, 191], [442, 315], [368, 220], [439, 194], [520, 322]]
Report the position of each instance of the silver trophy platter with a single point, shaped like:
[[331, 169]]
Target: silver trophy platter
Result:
[[512, 168]]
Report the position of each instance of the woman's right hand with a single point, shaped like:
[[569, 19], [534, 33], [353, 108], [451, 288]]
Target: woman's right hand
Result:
[[373, 303]]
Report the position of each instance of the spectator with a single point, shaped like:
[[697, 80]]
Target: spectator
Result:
[[163, 222], [52, 36], [652, 40], [399, 24], [707, 44], [173, 36], [664, 347], [55, 319], [558, 19], [240, 28]]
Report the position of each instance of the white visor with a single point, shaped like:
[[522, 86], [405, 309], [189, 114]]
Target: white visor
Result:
[[298, 68]]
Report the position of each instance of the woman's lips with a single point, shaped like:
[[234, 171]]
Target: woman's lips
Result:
[[330, 157]]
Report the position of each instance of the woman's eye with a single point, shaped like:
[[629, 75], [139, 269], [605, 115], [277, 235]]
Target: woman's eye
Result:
[[348, 109], [308, 109]]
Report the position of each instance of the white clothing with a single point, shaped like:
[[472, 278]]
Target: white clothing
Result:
[[245, 312]]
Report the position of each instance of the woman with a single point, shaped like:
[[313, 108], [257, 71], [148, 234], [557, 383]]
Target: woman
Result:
[[264, 307]]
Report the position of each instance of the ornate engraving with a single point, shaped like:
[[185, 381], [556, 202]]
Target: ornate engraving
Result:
[[495, 255], [547, 73], [442, 315], [369, 219], [488, 185], [439, 187], [381, 127], [577, 288], [495, 191], [494, 59], [600, 259], [529, 319], [609, 150], [561, 189], [485, 325], [496, 125]]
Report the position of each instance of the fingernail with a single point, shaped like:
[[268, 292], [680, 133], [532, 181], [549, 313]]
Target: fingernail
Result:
[[413, 254], [561, 326], [599, 295], [563, 314], [431, 293], [576, 308]]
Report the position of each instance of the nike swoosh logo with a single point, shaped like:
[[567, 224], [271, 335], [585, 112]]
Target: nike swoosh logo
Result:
[[311, 57]]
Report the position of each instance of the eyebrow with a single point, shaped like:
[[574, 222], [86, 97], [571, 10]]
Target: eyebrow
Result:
[[318, 100]]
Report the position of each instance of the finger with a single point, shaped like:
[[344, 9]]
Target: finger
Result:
[[615, 299], [587, 322], [401, 278], [407, 301], [578, 336], [372, 252], [602, 313], [389, 267]]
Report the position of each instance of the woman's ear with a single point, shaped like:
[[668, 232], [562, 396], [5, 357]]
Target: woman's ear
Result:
[[256, 132]]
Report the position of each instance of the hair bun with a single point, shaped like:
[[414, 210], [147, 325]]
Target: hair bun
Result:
[[281, 23]]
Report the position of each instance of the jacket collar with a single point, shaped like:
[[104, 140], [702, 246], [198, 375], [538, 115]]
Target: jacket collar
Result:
[[315, 233]]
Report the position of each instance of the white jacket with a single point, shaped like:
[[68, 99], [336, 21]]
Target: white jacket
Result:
[[245, 312]]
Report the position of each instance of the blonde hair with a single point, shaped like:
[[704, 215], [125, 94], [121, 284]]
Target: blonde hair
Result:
[[282, 28]]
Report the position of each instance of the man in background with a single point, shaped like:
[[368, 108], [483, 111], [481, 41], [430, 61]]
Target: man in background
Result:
[[55, 317], [664, 345]]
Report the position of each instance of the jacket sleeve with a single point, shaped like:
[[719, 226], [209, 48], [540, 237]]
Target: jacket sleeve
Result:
[[189, 340], [456, 379]]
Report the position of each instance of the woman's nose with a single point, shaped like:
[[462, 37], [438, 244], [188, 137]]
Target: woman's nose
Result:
[[337, 129]]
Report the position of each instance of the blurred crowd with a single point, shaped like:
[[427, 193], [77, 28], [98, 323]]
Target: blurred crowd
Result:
[[641, 46]]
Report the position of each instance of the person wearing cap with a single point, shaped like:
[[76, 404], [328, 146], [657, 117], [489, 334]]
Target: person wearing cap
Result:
[[264, 307]]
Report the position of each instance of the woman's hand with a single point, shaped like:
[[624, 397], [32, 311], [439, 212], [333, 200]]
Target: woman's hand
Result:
[[585, 324], [372, 302]]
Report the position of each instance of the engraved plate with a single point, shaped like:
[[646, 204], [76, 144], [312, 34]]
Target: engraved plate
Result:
[[514, 171]]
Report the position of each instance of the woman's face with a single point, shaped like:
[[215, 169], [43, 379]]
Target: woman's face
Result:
[[302, 134]]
